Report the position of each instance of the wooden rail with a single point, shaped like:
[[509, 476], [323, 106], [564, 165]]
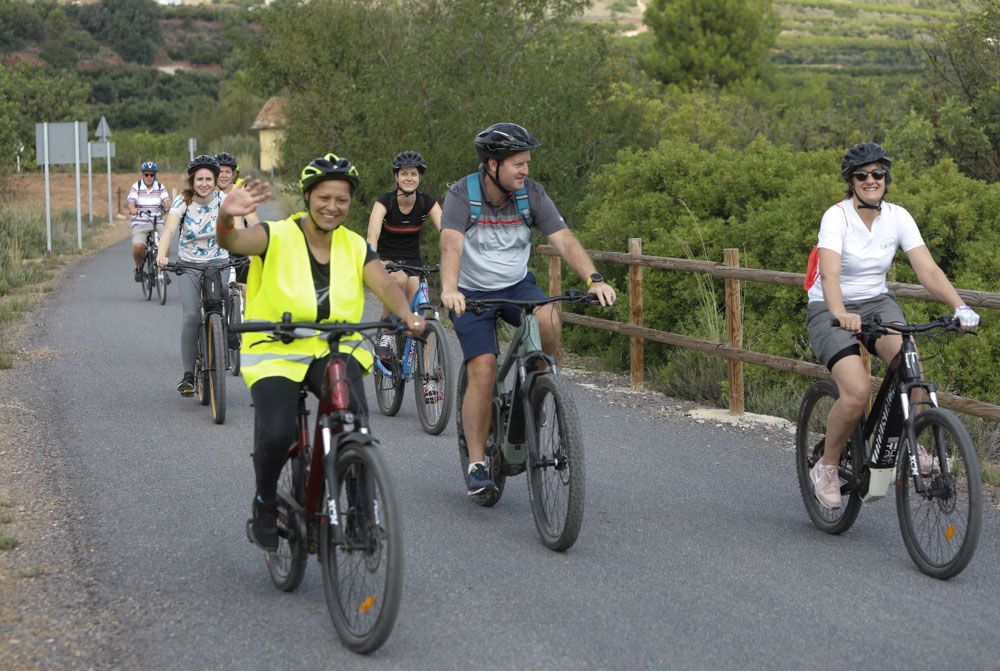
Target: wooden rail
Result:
[[733, 351]]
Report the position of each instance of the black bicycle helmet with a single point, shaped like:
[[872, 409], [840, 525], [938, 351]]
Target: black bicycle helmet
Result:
[[861, 154], [503, 139], [408, 159], [226, 159], [328, 167], [203, 161]]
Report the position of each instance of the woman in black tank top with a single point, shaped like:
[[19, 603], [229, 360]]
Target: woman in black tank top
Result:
[[398, 218]]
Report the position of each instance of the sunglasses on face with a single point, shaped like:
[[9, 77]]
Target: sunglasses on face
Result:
[[862, 175], [149, 174]]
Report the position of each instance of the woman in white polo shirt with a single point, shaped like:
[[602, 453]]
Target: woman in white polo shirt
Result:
[[858, 238]]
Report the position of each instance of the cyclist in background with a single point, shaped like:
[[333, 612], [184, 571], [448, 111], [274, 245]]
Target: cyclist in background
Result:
[[194, 212], [147, 198], [396, 222], [486, 256], [229, 177], [858, 238], [316, 269]]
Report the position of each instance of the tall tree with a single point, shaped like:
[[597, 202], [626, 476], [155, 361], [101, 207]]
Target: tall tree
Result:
[[709, 41], [130, 27]]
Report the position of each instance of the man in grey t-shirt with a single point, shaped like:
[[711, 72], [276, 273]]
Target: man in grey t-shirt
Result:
[[487, 257]]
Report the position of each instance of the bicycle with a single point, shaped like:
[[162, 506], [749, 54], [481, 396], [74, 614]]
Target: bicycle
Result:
[[940, 512], [425, 360], [151, 275], [338, 503], [234, 314], [214, 354], [535, 427]]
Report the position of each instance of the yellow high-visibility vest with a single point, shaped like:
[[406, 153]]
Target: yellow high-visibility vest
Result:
[[282, 282]]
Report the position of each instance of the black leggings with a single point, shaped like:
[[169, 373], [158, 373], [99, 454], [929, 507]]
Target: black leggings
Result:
[[276, 406]]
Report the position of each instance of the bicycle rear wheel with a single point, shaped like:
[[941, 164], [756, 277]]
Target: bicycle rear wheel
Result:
[[216, 373], [363, 574], [234, 314], [148, 275], [389, 386], [941, 527], [287, 564], [493, 454], [810, 437], [555, 464], [432, 384]]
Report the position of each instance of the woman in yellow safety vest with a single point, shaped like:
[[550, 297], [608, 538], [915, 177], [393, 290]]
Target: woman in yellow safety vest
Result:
[[316, 269]]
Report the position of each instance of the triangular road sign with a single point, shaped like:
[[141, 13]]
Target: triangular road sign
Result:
[[103, 130]]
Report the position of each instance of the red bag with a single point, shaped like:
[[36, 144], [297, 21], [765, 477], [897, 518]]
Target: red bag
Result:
[[812, 269]]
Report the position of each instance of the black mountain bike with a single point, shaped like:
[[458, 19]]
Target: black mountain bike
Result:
[[153, 277], [213, 356], [940, 512], [336, 500], [535, 427]]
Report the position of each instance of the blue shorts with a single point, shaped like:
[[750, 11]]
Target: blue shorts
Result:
[[478, 333]]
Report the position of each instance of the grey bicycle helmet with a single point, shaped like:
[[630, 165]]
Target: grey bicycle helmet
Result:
[[861, 154], [226, 159], [203, 161], [328, 167], [408, 159], [503, 139]]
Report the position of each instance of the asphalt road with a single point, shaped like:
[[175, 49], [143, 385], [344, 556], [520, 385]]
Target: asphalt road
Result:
[[695, 552]]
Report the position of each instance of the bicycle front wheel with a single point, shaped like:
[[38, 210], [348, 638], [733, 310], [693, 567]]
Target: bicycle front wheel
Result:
[[941, 526], [432, 385], [148, 274], [216, 365], [555, 464], [810, 440], [287, 565], [161, 285], [389, 384], [234, 315], [363, 570]]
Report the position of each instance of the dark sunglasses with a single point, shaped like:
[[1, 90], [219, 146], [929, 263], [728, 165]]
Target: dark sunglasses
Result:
[[877, 175], [149, 174]]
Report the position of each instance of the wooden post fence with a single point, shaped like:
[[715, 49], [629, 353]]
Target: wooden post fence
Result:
[[734, 331], [733, 350], [636, 344]]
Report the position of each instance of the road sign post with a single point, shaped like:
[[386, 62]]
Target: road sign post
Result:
[[103, 132]]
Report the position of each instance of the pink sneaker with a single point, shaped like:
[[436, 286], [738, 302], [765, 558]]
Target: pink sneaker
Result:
[[928, 464], [826, 482]]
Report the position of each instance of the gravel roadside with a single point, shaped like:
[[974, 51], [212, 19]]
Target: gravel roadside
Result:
[[49, 615]]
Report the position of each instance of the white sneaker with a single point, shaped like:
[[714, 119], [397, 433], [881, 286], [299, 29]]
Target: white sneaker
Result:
[[826, 482]]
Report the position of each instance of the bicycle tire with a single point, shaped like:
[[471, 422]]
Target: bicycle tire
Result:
[[161, 285], [234, 314], [389, 388], [363, 576], [287, 565], [556, 473], [810, 434], [491, 498], [148, 273], [216, 372], [433, 416], [941, 530], [201, 367]]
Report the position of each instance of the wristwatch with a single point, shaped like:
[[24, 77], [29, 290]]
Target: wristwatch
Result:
[[594, 277]]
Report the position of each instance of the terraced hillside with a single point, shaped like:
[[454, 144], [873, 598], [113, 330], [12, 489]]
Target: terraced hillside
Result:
[[861, 37]]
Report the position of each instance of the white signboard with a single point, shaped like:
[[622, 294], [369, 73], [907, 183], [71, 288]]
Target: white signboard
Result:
[[61, 139], [97, 149]]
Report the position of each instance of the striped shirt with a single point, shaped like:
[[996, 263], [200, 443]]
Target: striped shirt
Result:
[[153, 201]]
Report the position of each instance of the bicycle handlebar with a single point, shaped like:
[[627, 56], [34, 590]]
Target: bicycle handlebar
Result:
[[393, 266], [286, 330], [182, 267], [876, 327], [479, 305]]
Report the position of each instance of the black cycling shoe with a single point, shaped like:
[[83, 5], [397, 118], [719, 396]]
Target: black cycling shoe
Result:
[[186, 385], [138, 274], [262, 529]]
